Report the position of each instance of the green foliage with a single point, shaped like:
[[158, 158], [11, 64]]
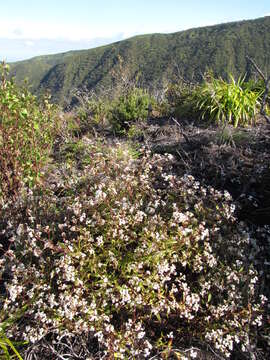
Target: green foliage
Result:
[[258, 86], [75, 152], [95, 109], [224, 102], [180, 97], [217, 101], [26, 135], [117, 113], [6, 345], [135, 131], [94, 114], [8, 350], [129, 107]]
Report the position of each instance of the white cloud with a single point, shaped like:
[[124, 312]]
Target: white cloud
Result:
[[17, 32], [29, 43], [46, 30], [19, 49], [21, 29]]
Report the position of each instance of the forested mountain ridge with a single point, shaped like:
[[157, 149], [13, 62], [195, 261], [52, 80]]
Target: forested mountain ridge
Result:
[[153, 59]]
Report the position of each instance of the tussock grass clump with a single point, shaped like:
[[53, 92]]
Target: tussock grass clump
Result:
[[138, 261], [216, 101], [233, 102]]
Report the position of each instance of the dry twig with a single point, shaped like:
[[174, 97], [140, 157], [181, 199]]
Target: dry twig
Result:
[[266, 81]]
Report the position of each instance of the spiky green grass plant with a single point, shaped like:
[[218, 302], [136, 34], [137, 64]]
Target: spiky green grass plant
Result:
[[233, 102], [8, 349], [7, 346]]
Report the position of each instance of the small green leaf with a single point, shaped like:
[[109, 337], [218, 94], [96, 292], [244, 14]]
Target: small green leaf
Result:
[[36, 126], [24, 113]]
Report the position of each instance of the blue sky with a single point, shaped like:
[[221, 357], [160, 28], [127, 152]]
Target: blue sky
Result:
[[35, 27]]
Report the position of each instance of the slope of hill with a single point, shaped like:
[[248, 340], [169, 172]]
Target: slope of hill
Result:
[[154, 58]]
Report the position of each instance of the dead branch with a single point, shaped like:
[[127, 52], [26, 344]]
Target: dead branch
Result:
[[266, 81], [182, 132]]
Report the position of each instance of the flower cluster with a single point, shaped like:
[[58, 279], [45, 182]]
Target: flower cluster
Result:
[[132, 255]]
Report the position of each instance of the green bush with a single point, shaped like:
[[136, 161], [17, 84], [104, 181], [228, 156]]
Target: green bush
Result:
[[135, 131], [129, 107], [94, 112], [233, 136], [26, 135], [118, 113], [181, 100]]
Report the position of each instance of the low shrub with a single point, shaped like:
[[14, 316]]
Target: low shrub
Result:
[[136, 131], [94, 113], [128, 108], [181, 100], [26, 135], [134, 261]]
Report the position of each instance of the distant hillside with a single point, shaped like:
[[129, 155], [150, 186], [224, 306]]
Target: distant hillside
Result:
[[154, 58]]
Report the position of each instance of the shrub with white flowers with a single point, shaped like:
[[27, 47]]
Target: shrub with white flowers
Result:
[[132, 256]]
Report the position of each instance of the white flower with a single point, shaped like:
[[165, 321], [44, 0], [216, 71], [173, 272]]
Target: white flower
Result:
[[19, 229], [179, 217], [99, 240], [193, 354], [141, 334], [100, 195]]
